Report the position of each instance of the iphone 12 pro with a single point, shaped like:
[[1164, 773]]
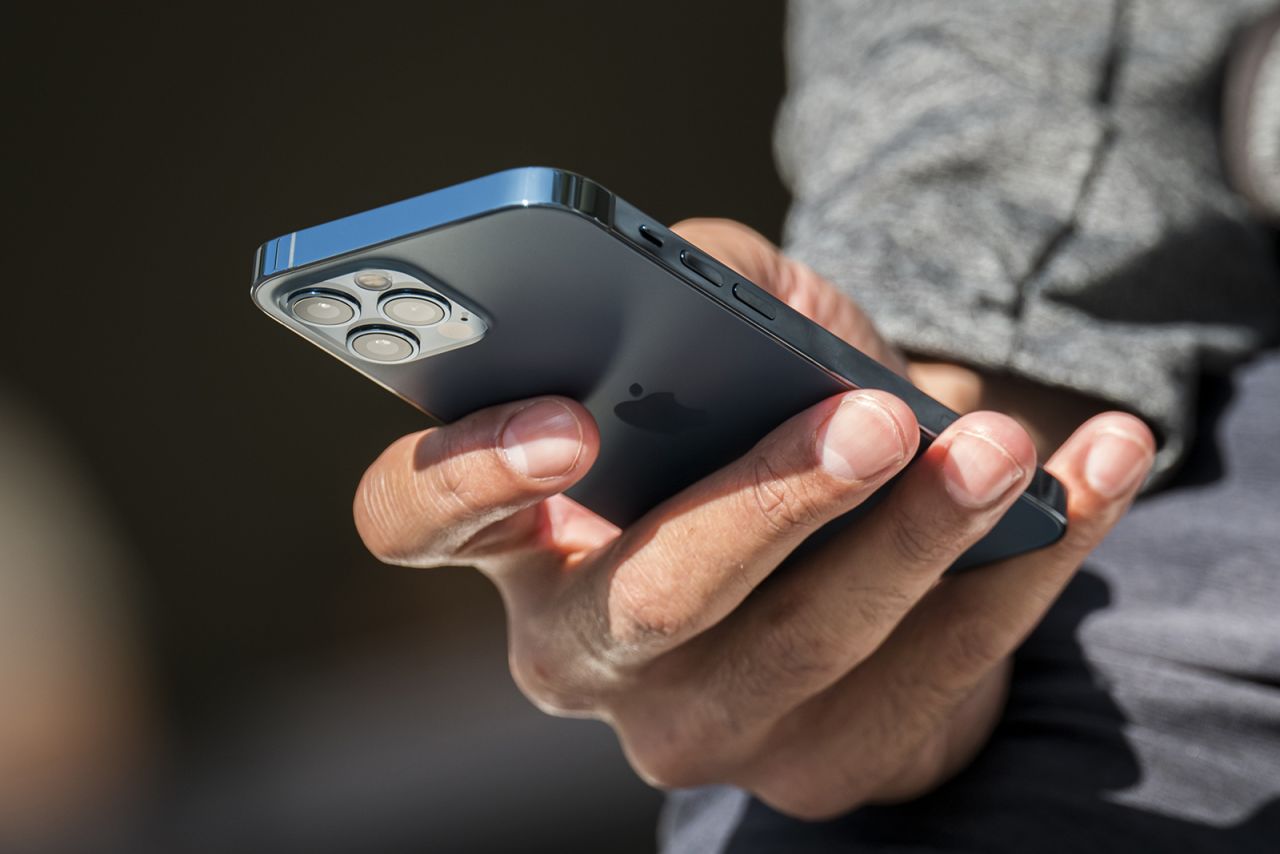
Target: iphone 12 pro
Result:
[[538, 281]]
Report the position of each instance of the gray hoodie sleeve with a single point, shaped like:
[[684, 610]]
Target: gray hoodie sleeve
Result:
[[1031, 187]]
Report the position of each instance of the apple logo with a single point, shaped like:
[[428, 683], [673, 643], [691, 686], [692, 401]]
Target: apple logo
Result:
[[659, 412]]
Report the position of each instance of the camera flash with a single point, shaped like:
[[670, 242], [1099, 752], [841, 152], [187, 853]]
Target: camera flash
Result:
[[372, 280]]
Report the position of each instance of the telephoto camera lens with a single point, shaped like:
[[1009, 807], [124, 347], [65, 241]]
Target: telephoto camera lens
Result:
[[321, 309], [382, 345], [413, 309]]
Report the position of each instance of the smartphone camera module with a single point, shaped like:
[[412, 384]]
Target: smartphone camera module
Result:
[[383, 345], [321, 308], [379, 313], [413, 309]]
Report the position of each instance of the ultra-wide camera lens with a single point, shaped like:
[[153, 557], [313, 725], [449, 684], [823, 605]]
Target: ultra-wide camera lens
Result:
[[382, 345], [413, 309], [321, 309]]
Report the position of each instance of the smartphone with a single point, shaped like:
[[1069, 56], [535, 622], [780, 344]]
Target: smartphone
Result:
[[538, 281]]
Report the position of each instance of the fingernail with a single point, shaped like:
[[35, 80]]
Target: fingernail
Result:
[[978, 470], [542, 440], [1115, 463], [860, 440]]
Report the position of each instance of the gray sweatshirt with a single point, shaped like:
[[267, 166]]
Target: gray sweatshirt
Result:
[[1031, 187]]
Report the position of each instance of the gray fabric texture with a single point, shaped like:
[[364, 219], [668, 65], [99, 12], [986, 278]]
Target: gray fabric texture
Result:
[[701, 820], [1031, 187]]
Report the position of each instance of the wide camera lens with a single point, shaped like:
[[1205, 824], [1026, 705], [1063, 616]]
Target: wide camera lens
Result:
[[382, 345], [321, 309], [413, 309]]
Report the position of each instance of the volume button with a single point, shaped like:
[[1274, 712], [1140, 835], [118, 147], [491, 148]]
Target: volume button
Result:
[[755, 299], [648, 234], [702, 266]]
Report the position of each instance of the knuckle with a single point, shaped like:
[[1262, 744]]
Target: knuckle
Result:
[[783, 504], [975, 644], [679, 751], [668, 770], [912, 704], [796, 653], [916, 542], [790, 654], [920, 768], [875, 606], [549, 686], [796, 772], [795, 795], [642, 615], [452, 478]]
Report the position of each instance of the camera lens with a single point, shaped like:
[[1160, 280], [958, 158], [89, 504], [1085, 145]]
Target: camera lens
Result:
[[322, 309], [382, 345], [413, 309], [373, 280]]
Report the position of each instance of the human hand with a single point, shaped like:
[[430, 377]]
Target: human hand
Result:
[[857, 675]]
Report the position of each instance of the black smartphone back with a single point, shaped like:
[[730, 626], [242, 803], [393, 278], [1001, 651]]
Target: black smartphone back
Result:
[[683, 364]]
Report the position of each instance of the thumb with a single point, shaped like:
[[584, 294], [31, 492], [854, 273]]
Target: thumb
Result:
[[430, 493]]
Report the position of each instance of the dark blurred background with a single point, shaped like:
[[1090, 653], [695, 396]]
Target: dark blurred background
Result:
[[253, 679]]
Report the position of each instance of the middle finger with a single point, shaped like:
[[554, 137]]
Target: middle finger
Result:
[[824, 616]]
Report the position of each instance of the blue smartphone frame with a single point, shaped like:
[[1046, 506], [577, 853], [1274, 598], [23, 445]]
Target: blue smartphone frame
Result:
[[816, 363], [522, 187]]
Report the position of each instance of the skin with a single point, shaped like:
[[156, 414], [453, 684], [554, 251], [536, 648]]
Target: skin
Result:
[[859, 675]]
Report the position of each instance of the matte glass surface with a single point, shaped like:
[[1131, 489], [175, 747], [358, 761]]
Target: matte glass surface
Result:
[[681, 376]]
